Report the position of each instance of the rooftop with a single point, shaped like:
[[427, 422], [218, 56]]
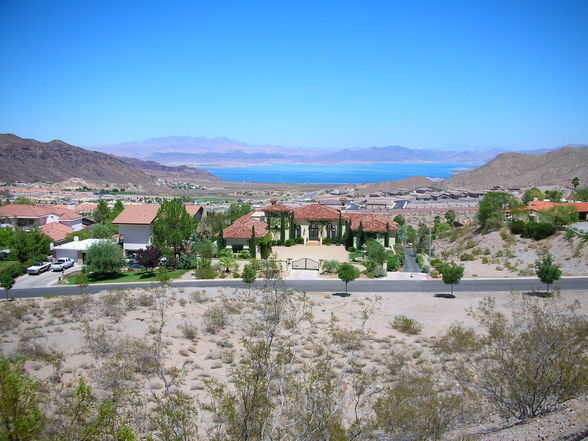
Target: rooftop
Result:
[[143, 214], [56, 231]]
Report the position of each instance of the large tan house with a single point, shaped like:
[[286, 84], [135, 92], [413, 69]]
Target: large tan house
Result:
[[310, 224]]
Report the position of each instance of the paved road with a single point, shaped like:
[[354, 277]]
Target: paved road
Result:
[[379, 286], [410, 263]]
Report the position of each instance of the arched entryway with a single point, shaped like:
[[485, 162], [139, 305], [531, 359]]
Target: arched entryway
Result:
[[313, 232]]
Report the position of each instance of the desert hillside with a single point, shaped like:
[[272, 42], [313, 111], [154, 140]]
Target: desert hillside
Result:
[[29, 160], [402, 184], [522, 170]]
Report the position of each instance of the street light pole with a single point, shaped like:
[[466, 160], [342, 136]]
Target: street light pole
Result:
[[430, 228]]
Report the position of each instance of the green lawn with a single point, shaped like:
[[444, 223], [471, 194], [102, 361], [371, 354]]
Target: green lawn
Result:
[[4, 263], [130, 276]]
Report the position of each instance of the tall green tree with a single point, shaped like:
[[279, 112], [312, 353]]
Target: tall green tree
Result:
[[554, 195], [450, 217], [387, 236], [82, 279], [102, 213], [360, 236], [340, 229], [451, 273], [235, 211], [6, 281], [348, 235], [399, 219], [104, 257], [117, 209], [547, 271], [27, 245], [376, 252], [172, 227], [491, 210], [576, 182], [581, 194], [531, 194], [220, 240], [282, 227], [249, 274]]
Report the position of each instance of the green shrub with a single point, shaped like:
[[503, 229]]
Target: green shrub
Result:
[[406, 325], [352, 249], [467, 257], [205, 273], [517, 227], [330, 266], [299, 241], [14, 268], [392, 263], [538, 230], [289, 243], [244, 254], [327, 241]]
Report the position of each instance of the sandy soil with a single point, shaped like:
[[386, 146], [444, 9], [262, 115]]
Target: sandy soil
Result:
[[88, 330]]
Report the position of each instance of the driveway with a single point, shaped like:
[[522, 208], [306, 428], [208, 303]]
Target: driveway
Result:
[[43, 280], [320, 252], [410, 263]]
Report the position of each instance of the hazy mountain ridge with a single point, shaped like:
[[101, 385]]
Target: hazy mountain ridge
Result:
[[520, 170], [29, 160], [220, 152]]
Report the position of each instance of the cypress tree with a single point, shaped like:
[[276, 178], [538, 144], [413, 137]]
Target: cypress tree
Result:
[[387, 236], [253, 243], [282, 227], [349, 235], [339, 228], [360, 236], [220, 241], [292, 227]]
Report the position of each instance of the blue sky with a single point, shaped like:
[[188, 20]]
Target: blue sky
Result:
[[436, 74]]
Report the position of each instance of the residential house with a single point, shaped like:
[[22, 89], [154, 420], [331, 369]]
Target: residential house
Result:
[[536, 210], [56, 221], [75, 249], [135, 224], [311, 223]]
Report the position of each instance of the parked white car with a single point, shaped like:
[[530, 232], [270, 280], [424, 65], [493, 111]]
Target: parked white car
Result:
[[39, 267], [62, 264]]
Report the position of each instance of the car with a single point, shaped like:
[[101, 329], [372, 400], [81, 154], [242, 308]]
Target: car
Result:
[[62, 264], [39, 267]]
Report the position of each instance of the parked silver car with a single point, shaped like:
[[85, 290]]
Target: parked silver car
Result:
[[38, 267], [62, 264]]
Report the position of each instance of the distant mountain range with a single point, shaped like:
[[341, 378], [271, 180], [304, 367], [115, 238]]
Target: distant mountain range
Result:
[[225, 152], [29, 160]]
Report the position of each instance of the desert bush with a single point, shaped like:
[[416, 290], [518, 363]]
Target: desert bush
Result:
[[146, 300], [97, 340], [189, 330], [215, 319], [524, 366], [76, 306], [538, 230], [467, 257], [348, 339], [517, 227], [406, 325], [418, 407]]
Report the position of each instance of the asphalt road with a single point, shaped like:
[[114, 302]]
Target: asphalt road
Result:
[[410, 263], [379, 286], [42, 280]]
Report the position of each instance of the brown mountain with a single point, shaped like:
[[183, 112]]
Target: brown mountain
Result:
[[29, 160], [558, 167], [180, 172]]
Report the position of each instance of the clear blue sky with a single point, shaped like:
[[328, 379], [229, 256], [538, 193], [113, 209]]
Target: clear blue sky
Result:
[[511, 74]]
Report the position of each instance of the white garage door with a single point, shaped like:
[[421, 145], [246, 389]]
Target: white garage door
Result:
[[72, 254]]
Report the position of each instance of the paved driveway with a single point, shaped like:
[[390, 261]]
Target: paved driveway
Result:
[[320, 252], [48, 278]]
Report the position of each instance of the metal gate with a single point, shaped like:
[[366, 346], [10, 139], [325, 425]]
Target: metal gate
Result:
[[305, 264]]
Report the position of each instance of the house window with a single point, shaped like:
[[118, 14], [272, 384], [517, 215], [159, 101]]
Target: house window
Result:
[[331, 232], [237, 248], [298, 232]]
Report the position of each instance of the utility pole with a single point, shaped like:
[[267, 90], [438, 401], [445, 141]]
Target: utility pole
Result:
[[430, 228]]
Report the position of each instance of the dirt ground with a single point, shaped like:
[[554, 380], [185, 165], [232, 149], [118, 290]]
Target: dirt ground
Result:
[[88, 330], [515, 257]]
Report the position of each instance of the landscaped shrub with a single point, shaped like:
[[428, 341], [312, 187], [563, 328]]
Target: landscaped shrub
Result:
[[327, 241], [399, 249], [436, 262], [370, 265], [205, 273], [379, 271], [244, 254], [467, 257], [392, 262], [538, 230], [351, 249], [299, 241], [14, 268], [517, 227], [330, 266], [289, 243]]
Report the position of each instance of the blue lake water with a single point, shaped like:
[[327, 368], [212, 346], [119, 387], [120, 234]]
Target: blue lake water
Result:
[[338, 173]]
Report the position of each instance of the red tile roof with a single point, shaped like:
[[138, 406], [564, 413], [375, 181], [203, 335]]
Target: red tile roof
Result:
[[241, 228], [137, 214], [56, 231], [85, 207], [316, 212], [70, 216], [24, 210], [371, 222], [278, 208], [193, 209], [581, 207]]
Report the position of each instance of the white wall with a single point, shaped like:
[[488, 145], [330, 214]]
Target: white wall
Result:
[[75, 224], [136, 237]]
